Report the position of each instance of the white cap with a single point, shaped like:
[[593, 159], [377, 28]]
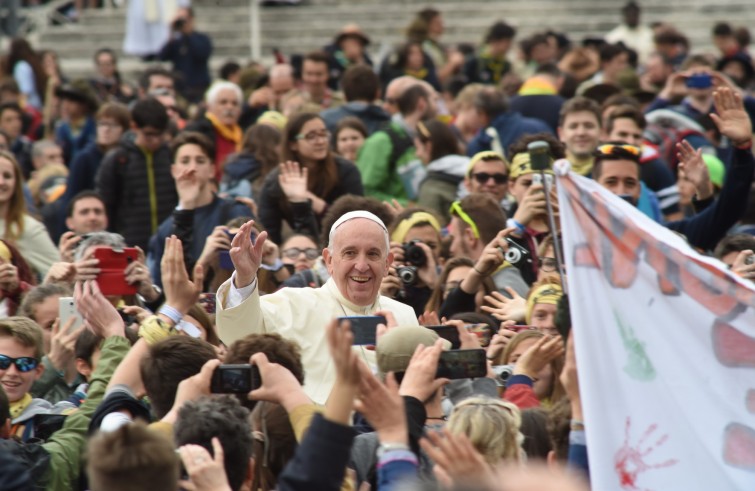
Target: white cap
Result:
[[352, 215]]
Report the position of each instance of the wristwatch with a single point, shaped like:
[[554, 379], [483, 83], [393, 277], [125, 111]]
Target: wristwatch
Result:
[[391, 447]]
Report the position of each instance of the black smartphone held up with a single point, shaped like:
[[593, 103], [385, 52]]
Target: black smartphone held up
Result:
[[540, 155], [449, 333], [235, 379], [463, 363], [364, 328]]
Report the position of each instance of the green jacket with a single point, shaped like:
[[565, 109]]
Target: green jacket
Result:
[[51, 386], [379, 175], [66, 447]]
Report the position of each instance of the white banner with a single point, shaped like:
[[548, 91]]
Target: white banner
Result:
[[665, 342]]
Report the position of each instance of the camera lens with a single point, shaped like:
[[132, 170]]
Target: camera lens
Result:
[[513, 255], [414, 254], [407, 274]]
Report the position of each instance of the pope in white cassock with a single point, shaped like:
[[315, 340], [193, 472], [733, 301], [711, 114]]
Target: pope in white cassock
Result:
[[357, 257]]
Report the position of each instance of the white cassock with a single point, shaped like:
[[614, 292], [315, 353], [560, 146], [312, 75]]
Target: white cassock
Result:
[[148, 25], [300, 315]]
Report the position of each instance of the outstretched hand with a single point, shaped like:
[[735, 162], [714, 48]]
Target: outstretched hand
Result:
[[293, 181], [181, 292], [693, 169], [730, 116], [247, 255]]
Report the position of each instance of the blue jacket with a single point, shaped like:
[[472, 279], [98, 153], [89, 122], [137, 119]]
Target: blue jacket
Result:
[[190, 56], [82, 171], [510, 126], [192, 227], [373, 116], [72, 144], [705, 229]]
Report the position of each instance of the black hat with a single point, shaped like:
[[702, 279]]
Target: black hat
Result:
[[79, 91]]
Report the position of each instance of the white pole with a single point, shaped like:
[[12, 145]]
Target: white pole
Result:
[[255, 47]]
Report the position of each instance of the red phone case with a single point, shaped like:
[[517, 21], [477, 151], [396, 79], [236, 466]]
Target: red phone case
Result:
[[113, 263]]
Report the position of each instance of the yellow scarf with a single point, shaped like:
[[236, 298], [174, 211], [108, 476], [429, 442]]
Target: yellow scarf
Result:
[[419, 74], [18, 407], [230, 133], [583, 167]]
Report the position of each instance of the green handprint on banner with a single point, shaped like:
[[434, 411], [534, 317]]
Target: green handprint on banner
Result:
[[638, 366]]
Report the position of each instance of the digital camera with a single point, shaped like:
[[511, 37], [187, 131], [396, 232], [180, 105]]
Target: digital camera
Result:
[[414, 257], [516, 255], [502, 374]]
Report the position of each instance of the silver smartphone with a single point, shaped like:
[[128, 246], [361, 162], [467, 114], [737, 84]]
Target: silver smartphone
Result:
[[66, 310]]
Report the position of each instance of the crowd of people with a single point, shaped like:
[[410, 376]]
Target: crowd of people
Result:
[[153, 233]]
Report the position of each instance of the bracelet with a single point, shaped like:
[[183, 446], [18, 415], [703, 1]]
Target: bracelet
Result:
[[513, 223], [743, 146], [478, 271], [577, 425], [171, 313]]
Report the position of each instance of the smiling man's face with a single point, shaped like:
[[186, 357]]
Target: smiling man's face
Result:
[[359, 260]]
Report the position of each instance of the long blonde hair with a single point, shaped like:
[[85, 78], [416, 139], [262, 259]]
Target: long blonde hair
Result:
[[14, 217], [492, 426]]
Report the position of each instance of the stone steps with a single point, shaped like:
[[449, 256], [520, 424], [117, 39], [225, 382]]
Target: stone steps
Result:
[[314, 23]]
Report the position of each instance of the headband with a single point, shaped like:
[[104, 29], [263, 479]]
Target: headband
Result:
[[521, 165], [411, 221], [487, 155], [548, 293]]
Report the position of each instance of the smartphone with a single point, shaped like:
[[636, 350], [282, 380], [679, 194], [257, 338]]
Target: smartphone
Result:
[[699, 81], [235, 379], [207, 301], [224, 260], [113, 263], [66, 310], [364, 328], [521, 328], [449, 333], [461, 364], [224, 257]]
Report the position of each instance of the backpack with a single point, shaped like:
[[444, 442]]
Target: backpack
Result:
[[400, 143]]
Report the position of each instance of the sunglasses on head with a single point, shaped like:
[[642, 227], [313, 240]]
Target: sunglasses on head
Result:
[[498, 177], [23, 364], [457, 210], [619, 150], [294, 252]]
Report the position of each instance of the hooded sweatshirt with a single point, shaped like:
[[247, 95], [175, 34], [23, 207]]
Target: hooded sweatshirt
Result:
[[442, 183]]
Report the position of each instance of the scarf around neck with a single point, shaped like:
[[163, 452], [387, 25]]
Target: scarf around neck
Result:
[[230, 133]]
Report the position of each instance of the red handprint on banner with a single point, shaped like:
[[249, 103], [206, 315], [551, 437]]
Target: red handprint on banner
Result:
[[629, 461], [735, 349]]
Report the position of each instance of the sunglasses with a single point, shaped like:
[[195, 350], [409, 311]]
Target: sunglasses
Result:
[[294, 252], [619, 150], [458, 211], [483, 177], [23, 364]]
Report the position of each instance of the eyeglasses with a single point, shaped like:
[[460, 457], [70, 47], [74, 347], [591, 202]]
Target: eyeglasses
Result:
[[314, 136], [458, 211], [295, 252], [483, 177], [23, 364], [619, 150], [547, 264]]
